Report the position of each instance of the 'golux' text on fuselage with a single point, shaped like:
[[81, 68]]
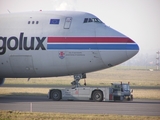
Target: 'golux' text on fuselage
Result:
[[21, 43]]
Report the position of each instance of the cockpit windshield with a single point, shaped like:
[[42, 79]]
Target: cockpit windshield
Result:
[[88, 20]]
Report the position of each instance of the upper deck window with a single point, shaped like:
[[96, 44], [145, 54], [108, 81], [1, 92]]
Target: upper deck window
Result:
[[87, 20]]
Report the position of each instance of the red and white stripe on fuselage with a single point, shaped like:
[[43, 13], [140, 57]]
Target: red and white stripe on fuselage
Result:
[[91, 43]]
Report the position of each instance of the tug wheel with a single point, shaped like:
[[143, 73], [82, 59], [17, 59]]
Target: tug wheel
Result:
[[56, 95], [97, 96]]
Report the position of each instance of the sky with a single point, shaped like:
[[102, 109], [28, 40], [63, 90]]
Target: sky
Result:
[[137, 19]]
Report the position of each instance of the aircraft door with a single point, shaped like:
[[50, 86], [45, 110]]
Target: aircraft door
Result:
[[24, 66], [67, 22]]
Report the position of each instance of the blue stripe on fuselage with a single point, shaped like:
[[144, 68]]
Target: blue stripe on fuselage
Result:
[[93, 46]]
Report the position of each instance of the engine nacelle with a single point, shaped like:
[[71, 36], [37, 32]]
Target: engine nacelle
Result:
[[1, 81]]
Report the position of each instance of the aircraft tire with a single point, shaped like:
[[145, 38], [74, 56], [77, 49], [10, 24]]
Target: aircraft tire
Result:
[[56, 95], [97, 96]]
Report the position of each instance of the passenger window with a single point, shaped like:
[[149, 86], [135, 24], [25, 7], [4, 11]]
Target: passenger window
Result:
[[32, 22], [37, 22], [29, 22]]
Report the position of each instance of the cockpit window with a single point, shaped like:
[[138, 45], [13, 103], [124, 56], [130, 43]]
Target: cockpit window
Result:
[[85, 20], [88, 20]]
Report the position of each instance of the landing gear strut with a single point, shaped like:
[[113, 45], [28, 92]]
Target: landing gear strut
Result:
[[77, 78]]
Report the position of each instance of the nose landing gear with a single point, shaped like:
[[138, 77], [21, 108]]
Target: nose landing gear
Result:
[[77, 78]]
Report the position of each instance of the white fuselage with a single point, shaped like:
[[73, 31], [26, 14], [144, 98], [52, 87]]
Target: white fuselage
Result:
[[48, 44]]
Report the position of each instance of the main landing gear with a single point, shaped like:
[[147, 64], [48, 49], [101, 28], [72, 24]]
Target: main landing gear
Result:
[[77, 78]]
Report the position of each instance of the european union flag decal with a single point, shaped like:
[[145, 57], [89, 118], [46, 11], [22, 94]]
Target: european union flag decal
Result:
[[54, 21]]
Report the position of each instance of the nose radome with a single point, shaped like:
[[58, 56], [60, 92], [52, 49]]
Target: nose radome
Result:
[[116, 48], [132, 48]]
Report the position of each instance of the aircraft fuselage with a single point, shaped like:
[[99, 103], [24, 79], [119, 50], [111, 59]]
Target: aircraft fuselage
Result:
[[48, 44]]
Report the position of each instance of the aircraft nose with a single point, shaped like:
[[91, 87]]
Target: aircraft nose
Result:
[[132, 48], [116, 50], [114, 47]]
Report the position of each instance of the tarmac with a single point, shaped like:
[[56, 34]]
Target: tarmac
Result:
[[31, 103]]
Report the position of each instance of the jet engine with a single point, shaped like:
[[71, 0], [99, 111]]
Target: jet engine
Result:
[[1, 81]]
